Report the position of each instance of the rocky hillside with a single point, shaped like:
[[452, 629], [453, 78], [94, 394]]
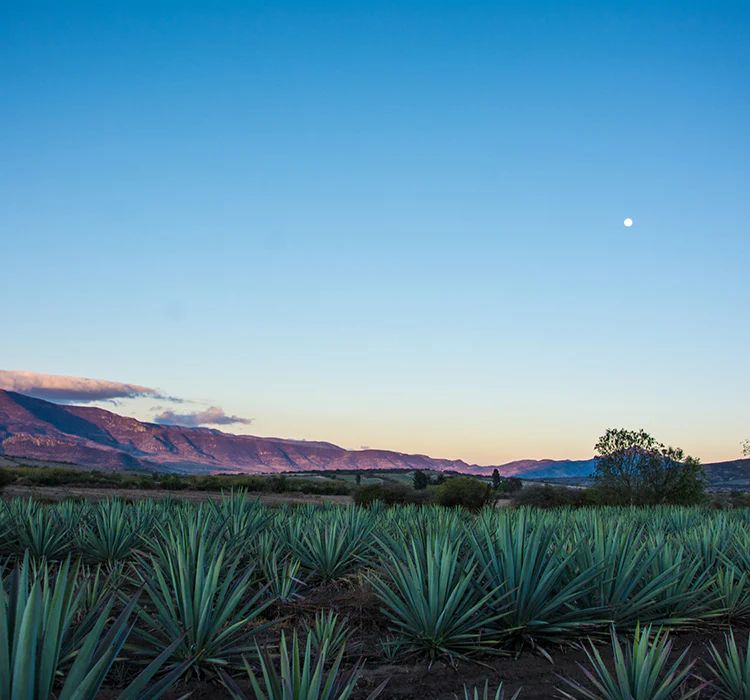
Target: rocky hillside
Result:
[[92, 437]]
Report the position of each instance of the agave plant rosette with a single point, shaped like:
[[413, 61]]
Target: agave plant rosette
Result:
[[40, 531], [730, 670], [531, 585], [113, 531], [300, 675], [43, 656], [429, 594], [329, 629], [330, 544], [641, 670], [195, 592]]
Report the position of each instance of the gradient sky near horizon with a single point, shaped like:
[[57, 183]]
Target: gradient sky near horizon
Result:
[[393, 224]]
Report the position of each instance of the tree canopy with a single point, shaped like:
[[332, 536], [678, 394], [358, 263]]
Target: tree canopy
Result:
[[495, 479], [634, 468], [421, 480]]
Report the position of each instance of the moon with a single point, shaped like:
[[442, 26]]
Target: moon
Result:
[[628, 222]]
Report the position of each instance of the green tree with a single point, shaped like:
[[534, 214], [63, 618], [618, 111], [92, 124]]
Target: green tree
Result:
[[464, 491], [634, 468], [495, 479], [421, 480], [746, 448], [511, 485], [6, 478]]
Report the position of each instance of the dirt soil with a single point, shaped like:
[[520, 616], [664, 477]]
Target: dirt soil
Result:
[[536, 676], [60, 493]]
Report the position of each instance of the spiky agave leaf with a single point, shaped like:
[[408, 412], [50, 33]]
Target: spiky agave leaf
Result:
[[243, 520], [300, 675], [429, 595], [330, 545], [640, 671], [632, 582], [113, 531], [196, 593], [534, 591], [36, 613], [8, 537], [282, 578], [732, 589], [99, 582], [72, 513], [483, 693], [328, 629], [100, 649], [391, 648], [730, 670], [41, 532], [687, 595], [278, 569]]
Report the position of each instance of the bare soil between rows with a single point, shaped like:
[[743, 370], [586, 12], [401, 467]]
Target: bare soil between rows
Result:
[[536, 676]]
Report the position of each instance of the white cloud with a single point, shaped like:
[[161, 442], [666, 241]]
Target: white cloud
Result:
[[210, 416], [56, 387]]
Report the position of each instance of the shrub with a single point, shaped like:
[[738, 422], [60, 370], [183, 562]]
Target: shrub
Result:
[[464, 491], [173, 483], [6, 478], [546, 496], [510, 485], [421, 480], [389, 494], [739, 499]]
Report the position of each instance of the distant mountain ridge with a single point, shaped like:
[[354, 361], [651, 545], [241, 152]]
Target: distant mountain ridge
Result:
[[93, 437]]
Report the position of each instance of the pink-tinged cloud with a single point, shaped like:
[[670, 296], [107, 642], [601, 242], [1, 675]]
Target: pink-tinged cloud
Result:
[[211, 416], [55, 387]]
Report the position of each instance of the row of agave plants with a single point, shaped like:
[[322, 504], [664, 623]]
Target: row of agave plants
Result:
[[176, 590]]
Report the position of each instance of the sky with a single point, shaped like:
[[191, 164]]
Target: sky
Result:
[[385, 224]]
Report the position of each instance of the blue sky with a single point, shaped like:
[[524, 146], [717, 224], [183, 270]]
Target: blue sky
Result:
[[387, 224]]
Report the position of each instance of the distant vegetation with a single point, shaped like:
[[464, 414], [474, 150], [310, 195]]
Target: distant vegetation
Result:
[[548, 496], [390, 494], [632, 469], [58, 476], [366, 487], [464, 491], [6, 478]]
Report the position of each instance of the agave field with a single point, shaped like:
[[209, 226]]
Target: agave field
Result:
[[233, 599]]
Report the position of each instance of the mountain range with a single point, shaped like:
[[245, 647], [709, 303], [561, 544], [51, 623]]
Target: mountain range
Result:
[[91, 437]]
